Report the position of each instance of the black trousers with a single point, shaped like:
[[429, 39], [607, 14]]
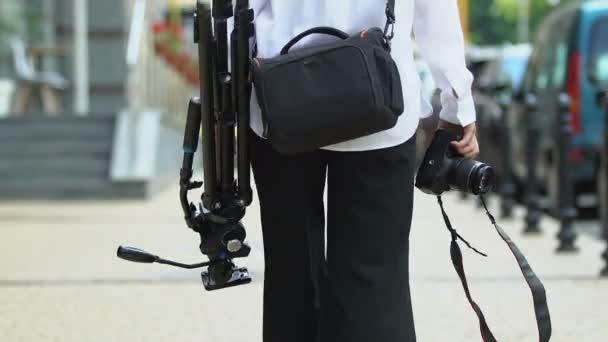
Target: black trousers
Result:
[[359, 291]]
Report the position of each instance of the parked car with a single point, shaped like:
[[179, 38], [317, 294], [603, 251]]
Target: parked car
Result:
[[569, 56]]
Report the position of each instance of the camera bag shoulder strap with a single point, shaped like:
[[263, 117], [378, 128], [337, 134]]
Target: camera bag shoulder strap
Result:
[[543, 319], [389, 28], [390, 5]]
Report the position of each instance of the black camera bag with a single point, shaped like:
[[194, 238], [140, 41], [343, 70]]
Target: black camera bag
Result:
[[330, 93]]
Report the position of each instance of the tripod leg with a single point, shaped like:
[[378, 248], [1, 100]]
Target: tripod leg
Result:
[[225, 116], [226, 137], [205, 50], [244, 21]]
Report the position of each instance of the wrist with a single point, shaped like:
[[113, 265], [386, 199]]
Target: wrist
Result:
[[448, 126]]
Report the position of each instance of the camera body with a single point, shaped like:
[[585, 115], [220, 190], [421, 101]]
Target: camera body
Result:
[[443, 169]]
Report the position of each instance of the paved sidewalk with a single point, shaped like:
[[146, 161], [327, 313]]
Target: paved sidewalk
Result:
[[60, 279]]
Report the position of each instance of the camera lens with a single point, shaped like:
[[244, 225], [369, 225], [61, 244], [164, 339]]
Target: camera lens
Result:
[[471, 176], [482, 179]]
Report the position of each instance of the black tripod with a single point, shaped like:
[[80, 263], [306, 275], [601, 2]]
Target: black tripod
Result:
[[222, 112]]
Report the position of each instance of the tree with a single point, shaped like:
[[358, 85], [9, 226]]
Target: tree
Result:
[[488, 28]]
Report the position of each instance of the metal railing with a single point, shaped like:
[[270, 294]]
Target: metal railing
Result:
[[152, 84], [136, 31]]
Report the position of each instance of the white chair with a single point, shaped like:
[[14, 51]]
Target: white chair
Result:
[[48, 83]]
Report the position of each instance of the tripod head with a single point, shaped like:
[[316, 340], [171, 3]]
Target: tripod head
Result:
[[221, 112]]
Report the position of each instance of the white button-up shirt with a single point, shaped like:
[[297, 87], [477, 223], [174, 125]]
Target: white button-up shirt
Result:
[[437, 32]]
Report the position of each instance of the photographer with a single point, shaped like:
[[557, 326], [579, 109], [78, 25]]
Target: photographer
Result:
[[359, 290]]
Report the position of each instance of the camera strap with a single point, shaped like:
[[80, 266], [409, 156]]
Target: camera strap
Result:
[[543, 319]]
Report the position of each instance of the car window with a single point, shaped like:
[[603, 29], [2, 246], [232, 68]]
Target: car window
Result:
[[489, 73], [513, 69], [560, 65], [536, 76], [599, 51], [531, 75], [549, 62], [528, 83], [545, 67], [561, 38]]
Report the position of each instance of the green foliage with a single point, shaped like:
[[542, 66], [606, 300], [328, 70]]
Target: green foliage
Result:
[[487, 26], [494, 22], [20, 17], [505, 8], [8, 17]]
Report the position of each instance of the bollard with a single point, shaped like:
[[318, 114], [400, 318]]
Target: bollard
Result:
[[533, 212], [566, 208], [507, 186], [483, 138], [602, 100]]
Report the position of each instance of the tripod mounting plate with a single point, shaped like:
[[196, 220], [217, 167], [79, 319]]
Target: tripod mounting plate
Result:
[[239, 276]]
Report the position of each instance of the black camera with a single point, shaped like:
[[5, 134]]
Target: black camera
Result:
[[443, 169]]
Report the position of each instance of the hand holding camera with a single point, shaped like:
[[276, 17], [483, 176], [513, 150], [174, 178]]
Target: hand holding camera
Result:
[[468, 146], [448, 165]]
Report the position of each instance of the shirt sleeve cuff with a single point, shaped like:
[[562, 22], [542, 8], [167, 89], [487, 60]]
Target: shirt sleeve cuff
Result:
[[457, 111]]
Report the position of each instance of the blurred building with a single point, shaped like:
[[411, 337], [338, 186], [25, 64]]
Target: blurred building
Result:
[[118, 129]]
